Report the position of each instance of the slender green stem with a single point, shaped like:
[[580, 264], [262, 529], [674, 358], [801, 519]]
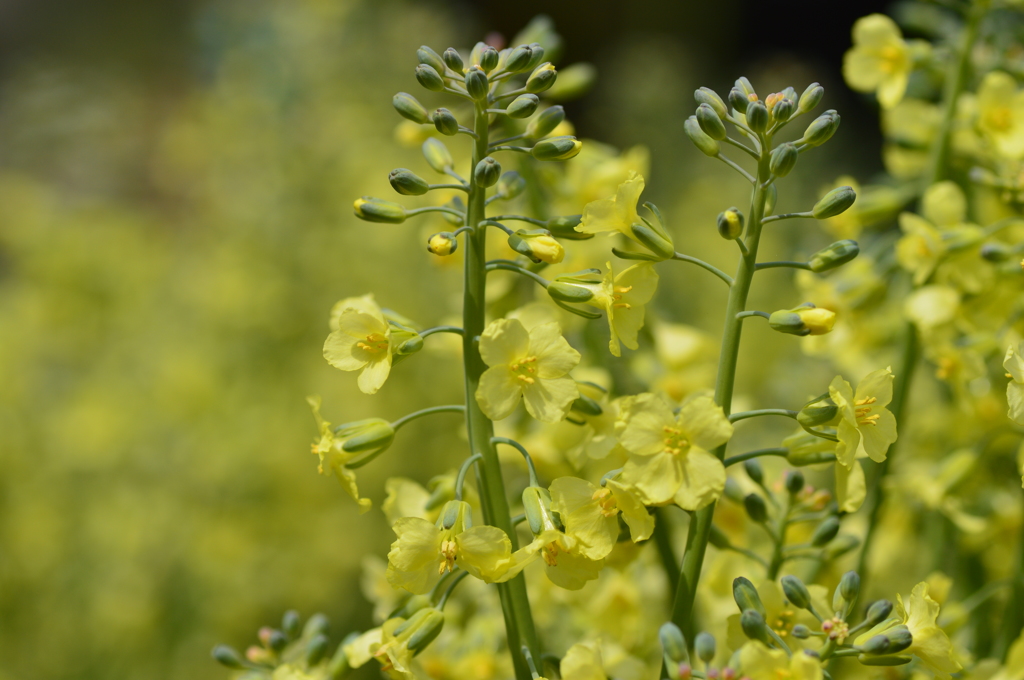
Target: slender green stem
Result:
[[750, 312], [786, 216], [792, 265], [737, 167], [663, 540], [732, 460], [447, 593], [748, 553], [515, 603], [519, 218], [741, 146], [526, 456], [519, 270], [460, 480], [441, 329], [434, 208], [743, 415], [701, 263], [453, 408], [780, 542], [460, 187]]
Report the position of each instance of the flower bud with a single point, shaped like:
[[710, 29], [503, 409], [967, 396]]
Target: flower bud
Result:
[[273, 640], [476, 83], [820, 411], [900, 638], [744, 86], [487, 172], [804, 320], [407, 183], [836, 255], [738, 100], [510, 185], [808, 449], [794, 482], [801, 632], [429, 78], [538, 245], [411, 606], [754, 627], [653, 241], [317, 623], [878, 611], [489, 58], [556, 148], [412, 344], [427, 56], [745, 594], [821, 128], [420, 629], [290, 623], [849, 586], [834, 203], [710, 123], [796, 592], [536, 56], [587, 406], [378, 210], [825, 532], [756, 508], [523, 106], [883, 660], [442, 244], [704, 645], [879, 644], [673, 643], [707, 146], [783, 110], [228, 656], [810, 98], [706, 95], [409, 107], [445, 122], [542, 78], [455, 515], [455, 203], [370, 434], [783, 159], [565, 227], [453, 60], [518, 59], [733, 491], [994, 251], [316, 649], [754, 471], [545, 123], [757, 116], [437, 155], [730, 224]]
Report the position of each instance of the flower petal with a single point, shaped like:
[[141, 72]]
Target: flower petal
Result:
[[503, 342], [555, 357], [549, 401], [498, 392]]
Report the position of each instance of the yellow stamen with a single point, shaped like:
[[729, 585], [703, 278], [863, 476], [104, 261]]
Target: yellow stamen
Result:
[[550, 553], [449, 551], [606, 500]]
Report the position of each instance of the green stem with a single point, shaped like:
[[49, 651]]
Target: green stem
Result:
[[460, 480], [515, 603], [743, 415], [447, 593], [454, 408], [663, 540], [700, 526], [732, 460], [1013, 615], [780, 542], [701, 263], [441, 329], [526, 456], [518, 270]]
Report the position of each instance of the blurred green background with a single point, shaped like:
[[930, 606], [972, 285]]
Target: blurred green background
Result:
[[176, 183]]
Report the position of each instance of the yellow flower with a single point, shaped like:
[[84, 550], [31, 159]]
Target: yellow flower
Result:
[[591, 514], [879, 60], [1014, 365], [424, 550], [531, 365], [922, 247], [1001, 114], [757, 662], [851, 486], [401, 639], [866, 427], [622, 297], [930, 644], [617, 213], [669, 459], [582, 662], [331, 447], [360, 340]]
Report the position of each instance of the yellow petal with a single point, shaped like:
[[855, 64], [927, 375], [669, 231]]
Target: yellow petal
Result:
[[705, 422], [498, 392], [549, 401], [484, 551], [503, 342], [555, 357], [703, 480], [414, 558], [374, 375]]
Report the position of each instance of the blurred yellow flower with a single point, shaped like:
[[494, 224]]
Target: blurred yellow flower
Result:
[[758, 662], [1014, 365], [1001, 114], [879, 60]]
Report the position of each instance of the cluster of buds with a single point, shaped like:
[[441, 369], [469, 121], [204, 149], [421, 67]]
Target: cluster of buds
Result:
[[293, 646]]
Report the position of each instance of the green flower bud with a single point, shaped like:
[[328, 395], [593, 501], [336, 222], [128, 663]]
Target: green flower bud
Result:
[[754, 627], [537, 508], [228, 656], [796, 592], [884, 660], [653, 241], [744, 86], [673, 643], [316, 649], [536, 56], [455, 203], [548, 120], [754, 471], [821, 128], [290, 623], [801, 632], [587, 406], [453, 60], [804, 320], [408, 183], [756, 508], [704, 645], [442, 490], [707, 146], [718, 538], [879, 644], [573, 82], [757, 116], [783, 159], [542, 78], [370, 434], [538, 245], [878, 611], [477, 84], [410, 346], [523, 106], [445, 122], [770, 199], [565, 227], [849, 586], [710, 123], [489, 58], [994, 251], [276, 641], [510, 185], [567, 292], [556, 148], [811, 97], [834, 203], [738, 100], [900, 638], [437, 155], [783, 110], [411, 606], [708, 96], [378, 210], [825, 532], [317, 623], [820, 411], [730, 224], [442, 244], [808, 449], [429, 78], [427, 56], [420, 629], [745, 594], [733, 491], [836, 255], [409, 107], [487, 172], [794, 482], [518, 59]]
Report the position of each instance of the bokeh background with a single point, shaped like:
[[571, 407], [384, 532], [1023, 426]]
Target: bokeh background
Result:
[[176, 183]]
